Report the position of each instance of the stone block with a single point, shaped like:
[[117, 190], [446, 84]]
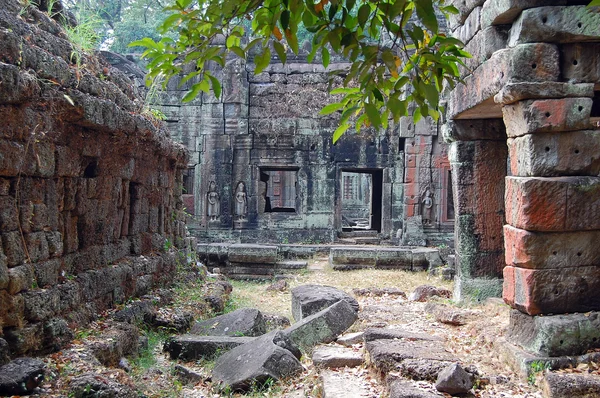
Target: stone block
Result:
[[336, 357], [242, 322], [46, 273], [250, 253], [8, 214], [553, 204], [514, 92], [560, 384], [310, 299], [572, 24], [482, 46], [555, 335], [20, 278], [190, 347], [41, 304], [464, 10], [470, 27], [580, 63], [37, 246], [474, 129], [552, 291], [353, 255], [4, 276], [531, 116], [527, 249], [503, 12], [527, 62]]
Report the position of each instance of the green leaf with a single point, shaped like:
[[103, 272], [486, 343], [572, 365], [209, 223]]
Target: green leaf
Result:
[[363, 14], [340, 131], [377, 94], [280, 50], [285, 19], [193, 93], [262, 60], [431, 94], [594, 3], [397, 107], [329, 109], [426, 14], [238, 51], [373, 115], [325, 55], [350, 4], [216, 85], [345, 90]]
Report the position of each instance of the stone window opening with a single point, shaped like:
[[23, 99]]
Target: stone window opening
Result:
[[188, 181], [91, 169], [361, 198], [279, 190]]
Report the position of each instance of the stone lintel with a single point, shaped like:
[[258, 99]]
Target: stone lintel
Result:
[[502, 12], [553, 204], [540, 250], [572, 24], [473, 130], [524, 63], [514, 92], [552, 291]]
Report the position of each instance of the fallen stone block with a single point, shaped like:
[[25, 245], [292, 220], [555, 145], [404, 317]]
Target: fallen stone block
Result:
[[573, 385], [349, 339], [322, 327], [115, 342], [403, 388], [265, 358], [572, 24], [547, 115], [328, 356], [98, 385], [556, 335], [310, 299], [388, 355], [454, 380], [336, 385], [446, 314], [242, 322], [21, 376], [373, 334], [191, 347], [546, 291], [424, 292]]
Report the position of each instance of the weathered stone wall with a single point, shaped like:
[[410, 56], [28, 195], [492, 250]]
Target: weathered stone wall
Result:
[[269, 122], [535, 71], [89, 189]]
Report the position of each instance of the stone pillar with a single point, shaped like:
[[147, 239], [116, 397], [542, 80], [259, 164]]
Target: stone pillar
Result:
[[478, 158], [553, 217]]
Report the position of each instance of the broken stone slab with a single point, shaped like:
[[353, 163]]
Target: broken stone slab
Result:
[[514, 92], [555, 154], [322, 327], [310, 299], [572, 385], [191, 347], [454, 380], [330, 356], [556, 335], [336, 385], [115, 342], [547, 115], [242, 322], [98, 385], [446, 314], [572, 24], [21, 376], [373, 334], [267, 357], [404, 388], [424, 292], [387, 355], [349, 339]]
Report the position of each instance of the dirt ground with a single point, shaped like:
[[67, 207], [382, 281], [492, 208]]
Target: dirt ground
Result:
[[153, 374]]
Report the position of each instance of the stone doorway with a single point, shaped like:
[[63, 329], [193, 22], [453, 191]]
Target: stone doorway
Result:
[[360, 200]]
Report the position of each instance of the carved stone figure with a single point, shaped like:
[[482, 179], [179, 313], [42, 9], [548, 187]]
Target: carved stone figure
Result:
[[213, 210], [241, 202], [427, 207]]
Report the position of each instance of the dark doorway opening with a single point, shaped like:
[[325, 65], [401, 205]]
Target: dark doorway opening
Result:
[[361, 199], [279, 190]]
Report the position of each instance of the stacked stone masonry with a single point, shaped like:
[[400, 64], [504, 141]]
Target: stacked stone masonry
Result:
[[90, 190], [263, 167], [532, 73]]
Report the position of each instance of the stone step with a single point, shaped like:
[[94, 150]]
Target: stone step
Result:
[[292, 264], [367, 240], [338, 384]]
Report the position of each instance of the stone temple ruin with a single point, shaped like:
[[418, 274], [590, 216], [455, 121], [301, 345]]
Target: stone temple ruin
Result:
[[93, 195]]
